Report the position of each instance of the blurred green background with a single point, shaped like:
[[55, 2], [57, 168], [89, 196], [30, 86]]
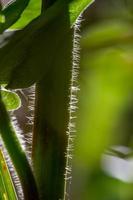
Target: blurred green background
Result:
[[103, 155]]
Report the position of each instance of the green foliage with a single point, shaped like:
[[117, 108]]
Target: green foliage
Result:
[[106, 85], [105, 111], [41, 53], [11, 13], [7, 190], [32, 11], [21, 65], [17, 154], [106, 88], [30, 56], [107, 33], [76, 7], [10, 99]]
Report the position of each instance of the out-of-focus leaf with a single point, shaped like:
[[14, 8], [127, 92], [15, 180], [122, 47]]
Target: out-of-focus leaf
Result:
[[107, 33], [12, 13], [7, 191], [106, 87], [10, 99]]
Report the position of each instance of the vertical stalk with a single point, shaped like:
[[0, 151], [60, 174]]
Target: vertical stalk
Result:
[[51, 114]]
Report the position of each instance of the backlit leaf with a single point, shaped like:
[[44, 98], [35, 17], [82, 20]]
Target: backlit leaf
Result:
[[7, 191], [11, 13], [11, 99], [24, 60]]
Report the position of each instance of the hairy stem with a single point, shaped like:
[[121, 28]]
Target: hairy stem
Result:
[[17, 155], [52, 116]]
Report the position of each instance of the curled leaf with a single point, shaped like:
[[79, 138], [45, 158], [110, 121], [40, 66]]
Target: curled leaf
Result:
[[11, 99]]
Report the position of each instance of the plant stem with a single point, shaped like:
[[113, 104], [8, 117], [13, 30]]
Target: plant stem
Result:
[[17, 155], [51, 119]]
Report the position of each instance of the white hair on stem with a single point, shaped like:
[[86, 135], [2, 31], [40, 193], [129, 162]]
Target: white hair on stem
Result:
[[25, 140], [27, 137], [19, 132], [30, 121], [74, 88], [21, 138]]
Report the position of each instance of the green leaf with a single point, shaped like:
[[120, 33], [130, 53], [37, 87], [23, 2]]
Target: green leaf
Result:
[[15, 52], [107, 33], [12, 13], [76, 7], [10, 99], [7, 190], [106, 87], [32, 11], [17, 154], [20, 62]]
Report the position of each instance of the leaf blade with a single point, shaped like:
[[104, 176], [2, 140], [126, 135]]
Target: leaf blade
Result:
[[32, 11], [12, 13], [76, 7], [6, 185]]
